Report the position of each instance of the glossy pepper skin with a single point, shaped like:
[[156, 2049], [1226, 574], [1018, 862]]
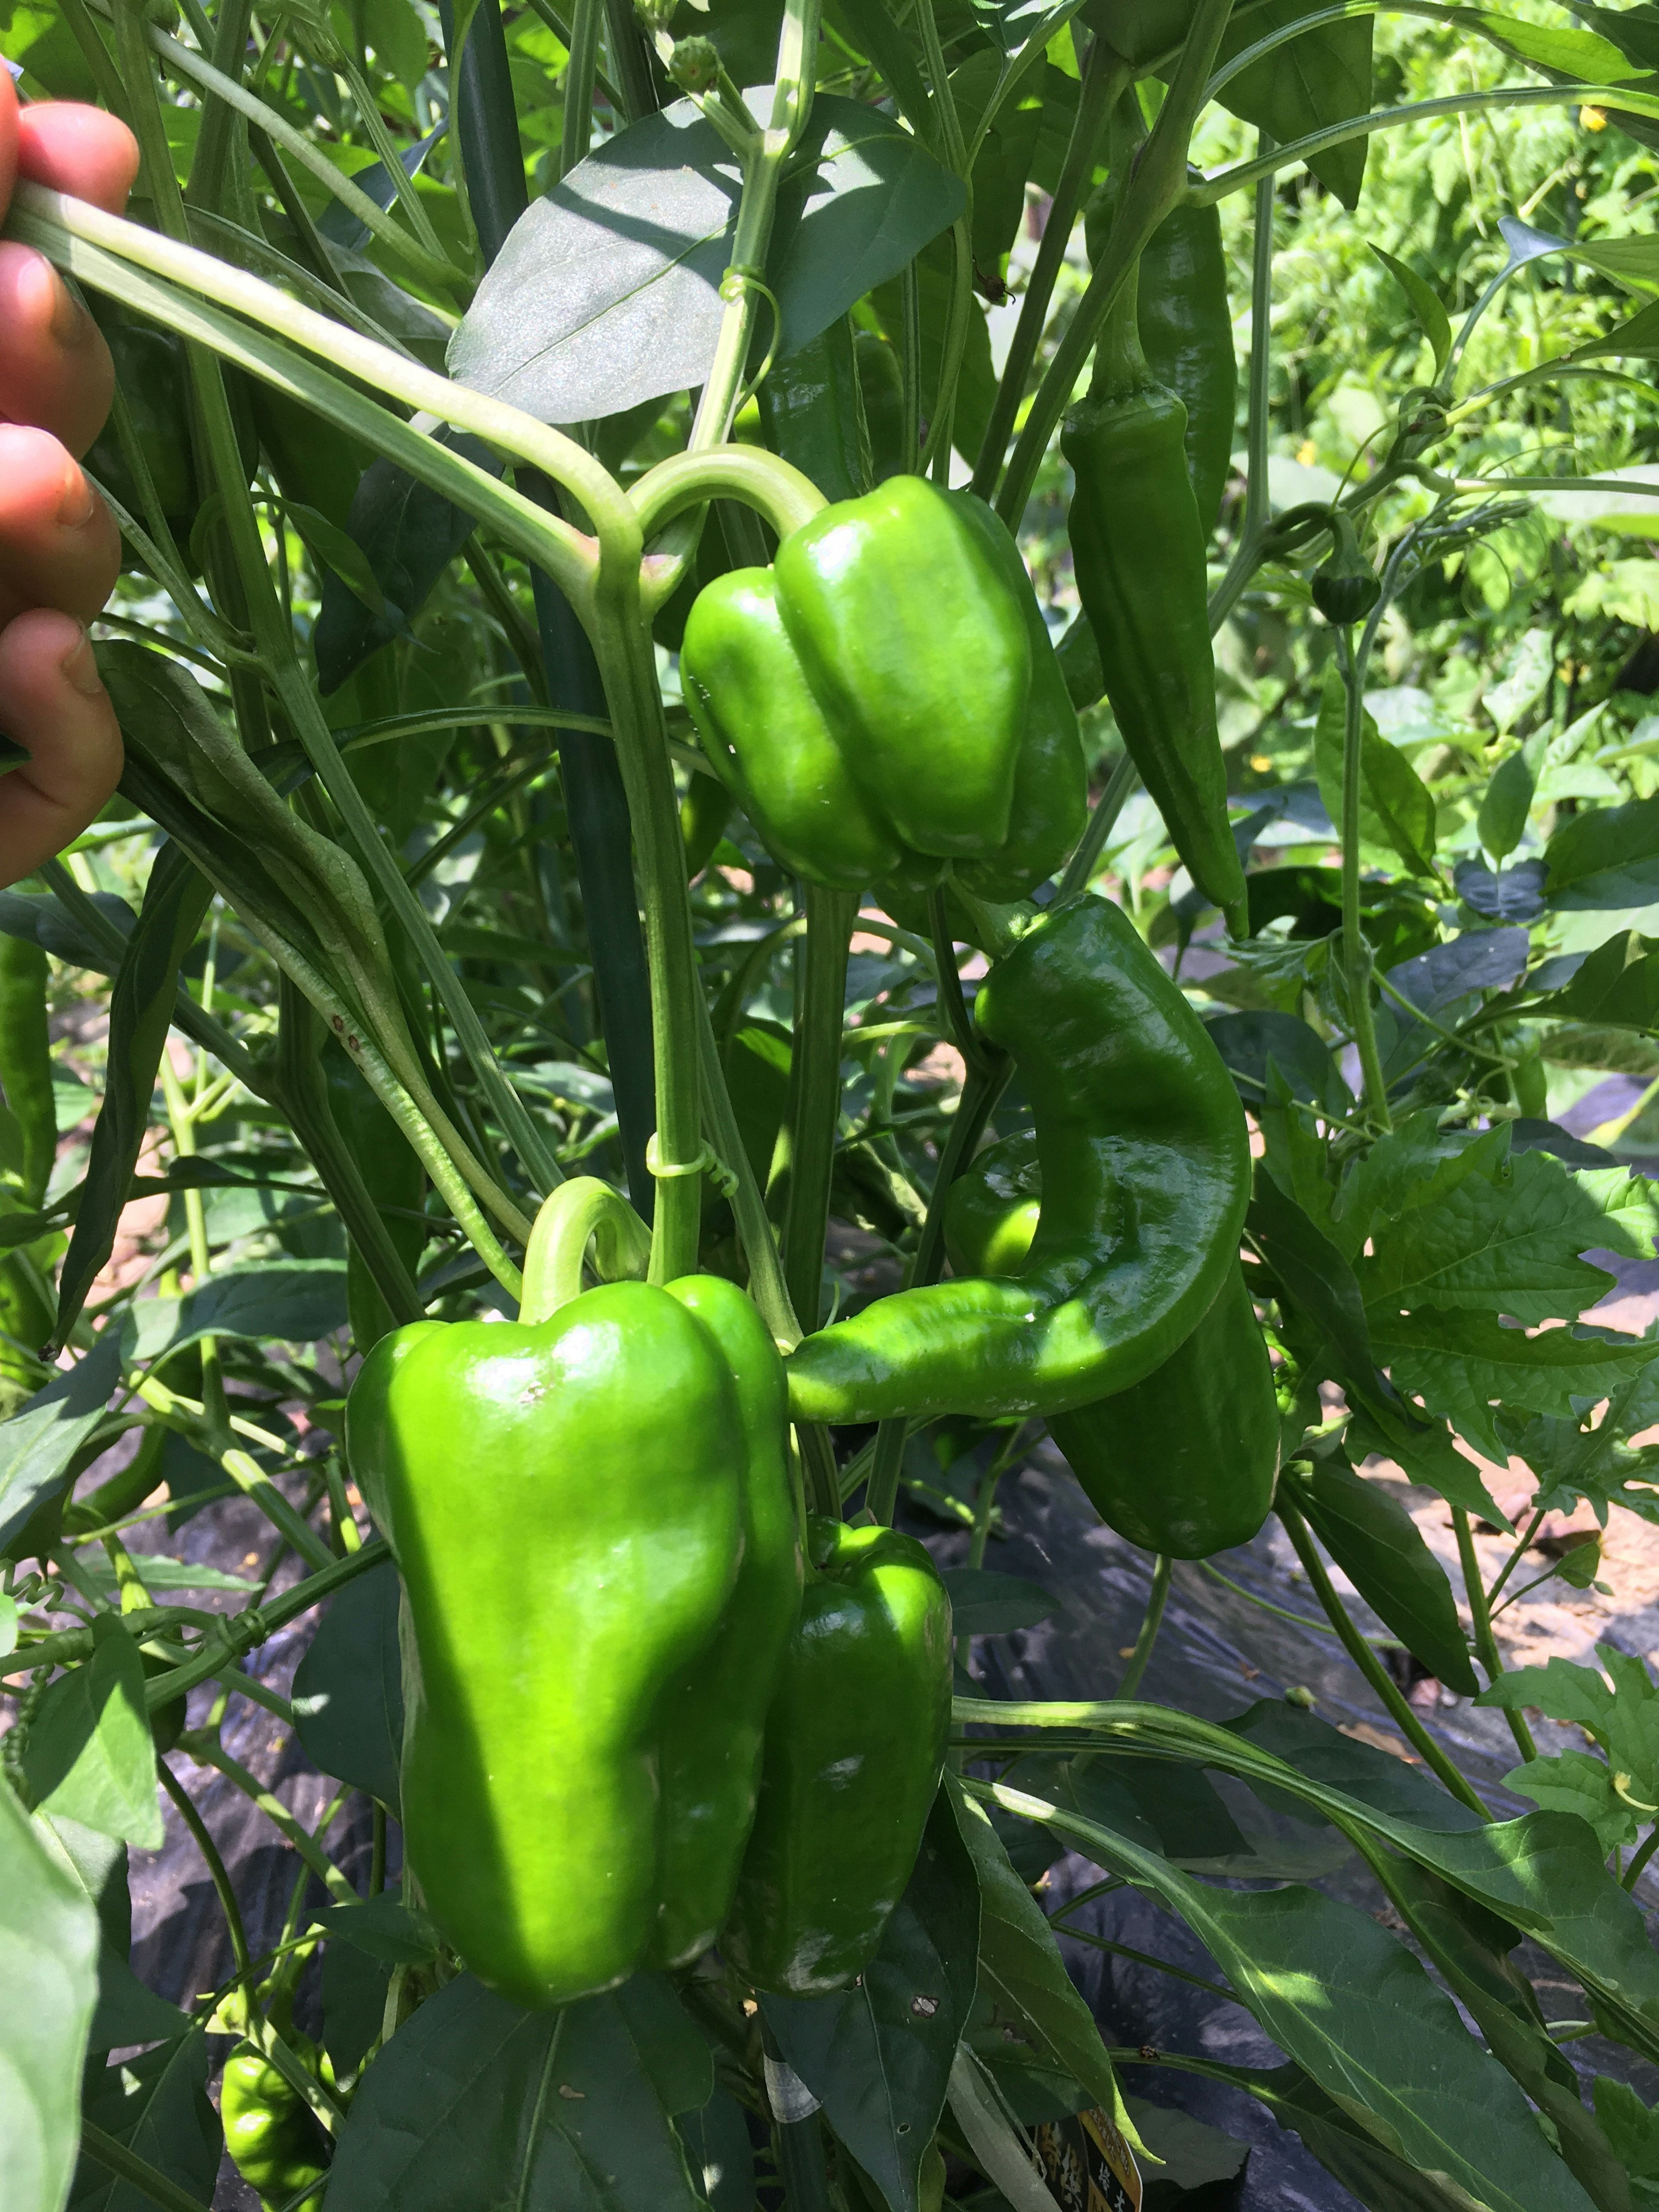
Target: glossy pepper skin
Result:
[[854, 1748], [1184, 319], [594, 1524], [870, 698], [1183, 1463], [274, 2143], [1138, 555], [1145, 1160]]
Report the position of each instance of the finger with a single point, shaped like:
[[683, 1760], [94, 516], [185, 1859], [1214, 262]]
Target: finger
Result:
[[55, 368], [59, 543], [78, 149], [7, 138], [52, 704]]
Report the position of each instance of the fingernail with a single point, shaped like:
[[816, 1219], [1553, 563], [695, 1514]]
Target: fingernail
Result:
[[70, 324], [74, 508], [80, 666]]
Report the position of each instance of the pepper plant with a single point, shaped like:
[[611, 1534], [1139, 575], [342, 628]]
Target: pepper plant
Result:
[[683, 1010]]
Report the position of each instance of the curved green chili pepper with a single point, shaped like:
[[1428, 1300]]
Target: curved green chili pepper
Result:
[[1145, 1159], [1183, 1463]]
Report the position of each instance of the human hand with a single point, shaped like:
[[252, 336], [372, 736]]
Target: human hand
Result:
[[60, 551]]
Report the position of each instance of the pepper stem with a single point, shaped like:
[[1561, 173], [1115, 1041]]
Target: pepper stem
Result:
[[580, 1212]]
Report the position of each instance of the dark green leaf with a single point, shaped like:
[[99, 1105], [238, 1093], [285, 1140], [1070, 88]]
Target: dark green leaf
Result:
[[46, 922], [1375, 1541], [1248, 1041], [158, 2106], [1617, 986], [49, 1941], [1513, 894], [39, 1443], [382, 1928], [607, 292], [90, 1755], [355, 1988], [140, 1015], [877, 2056], [721, 2158], [409, 534], [987, 1604], [1432, 319], [1396, 811], [1502, 821], [1020, 1966], [1372, 1777], [1316, 80], [293, 1301], [1353, 2007], [477, 2101], [348, 1690], [1314, 1274], [1606, 856]]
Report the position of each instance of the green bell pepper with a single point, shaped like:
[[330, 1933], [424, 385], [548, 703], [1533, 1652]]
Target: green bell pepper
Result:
[[884, 698], [593, 1518], [854, 1748]]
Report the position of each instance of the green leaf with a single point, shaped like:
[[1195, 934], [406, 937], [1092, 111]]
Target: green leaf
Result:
[[158, 2106], [1619, 1709], [90, 1754], [722, 2159], [1396, 811], [1382, 2182], [1432, 317], [1375, 1541], [336, 550], [348, 1689], [1632, 2128], [1416, 1165], [159, 1573], [383, 1928], [1606, 857], [1374, 1779], [1464, 1365], [1637, 340], [141, 1013], [1502, 821], [1316, 80], [1617, 986], [1353, 2008], [607, 291], [877, 2056], [355, 1987], [48, 1949], [1574, 1782], [1470, 1946], [1551, 46], [39, 1443], [293, 1301], [1021, 1969], [1425, 1452], [440, 2118], [987, 1604], [1510, 1243], [1546, 1873]]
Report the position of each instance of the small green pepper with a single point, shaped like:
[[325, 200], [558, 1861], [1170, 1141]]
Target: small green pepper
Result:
[[854, 1748], [274, 2143], [1346, 586], [1145, 1167]]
